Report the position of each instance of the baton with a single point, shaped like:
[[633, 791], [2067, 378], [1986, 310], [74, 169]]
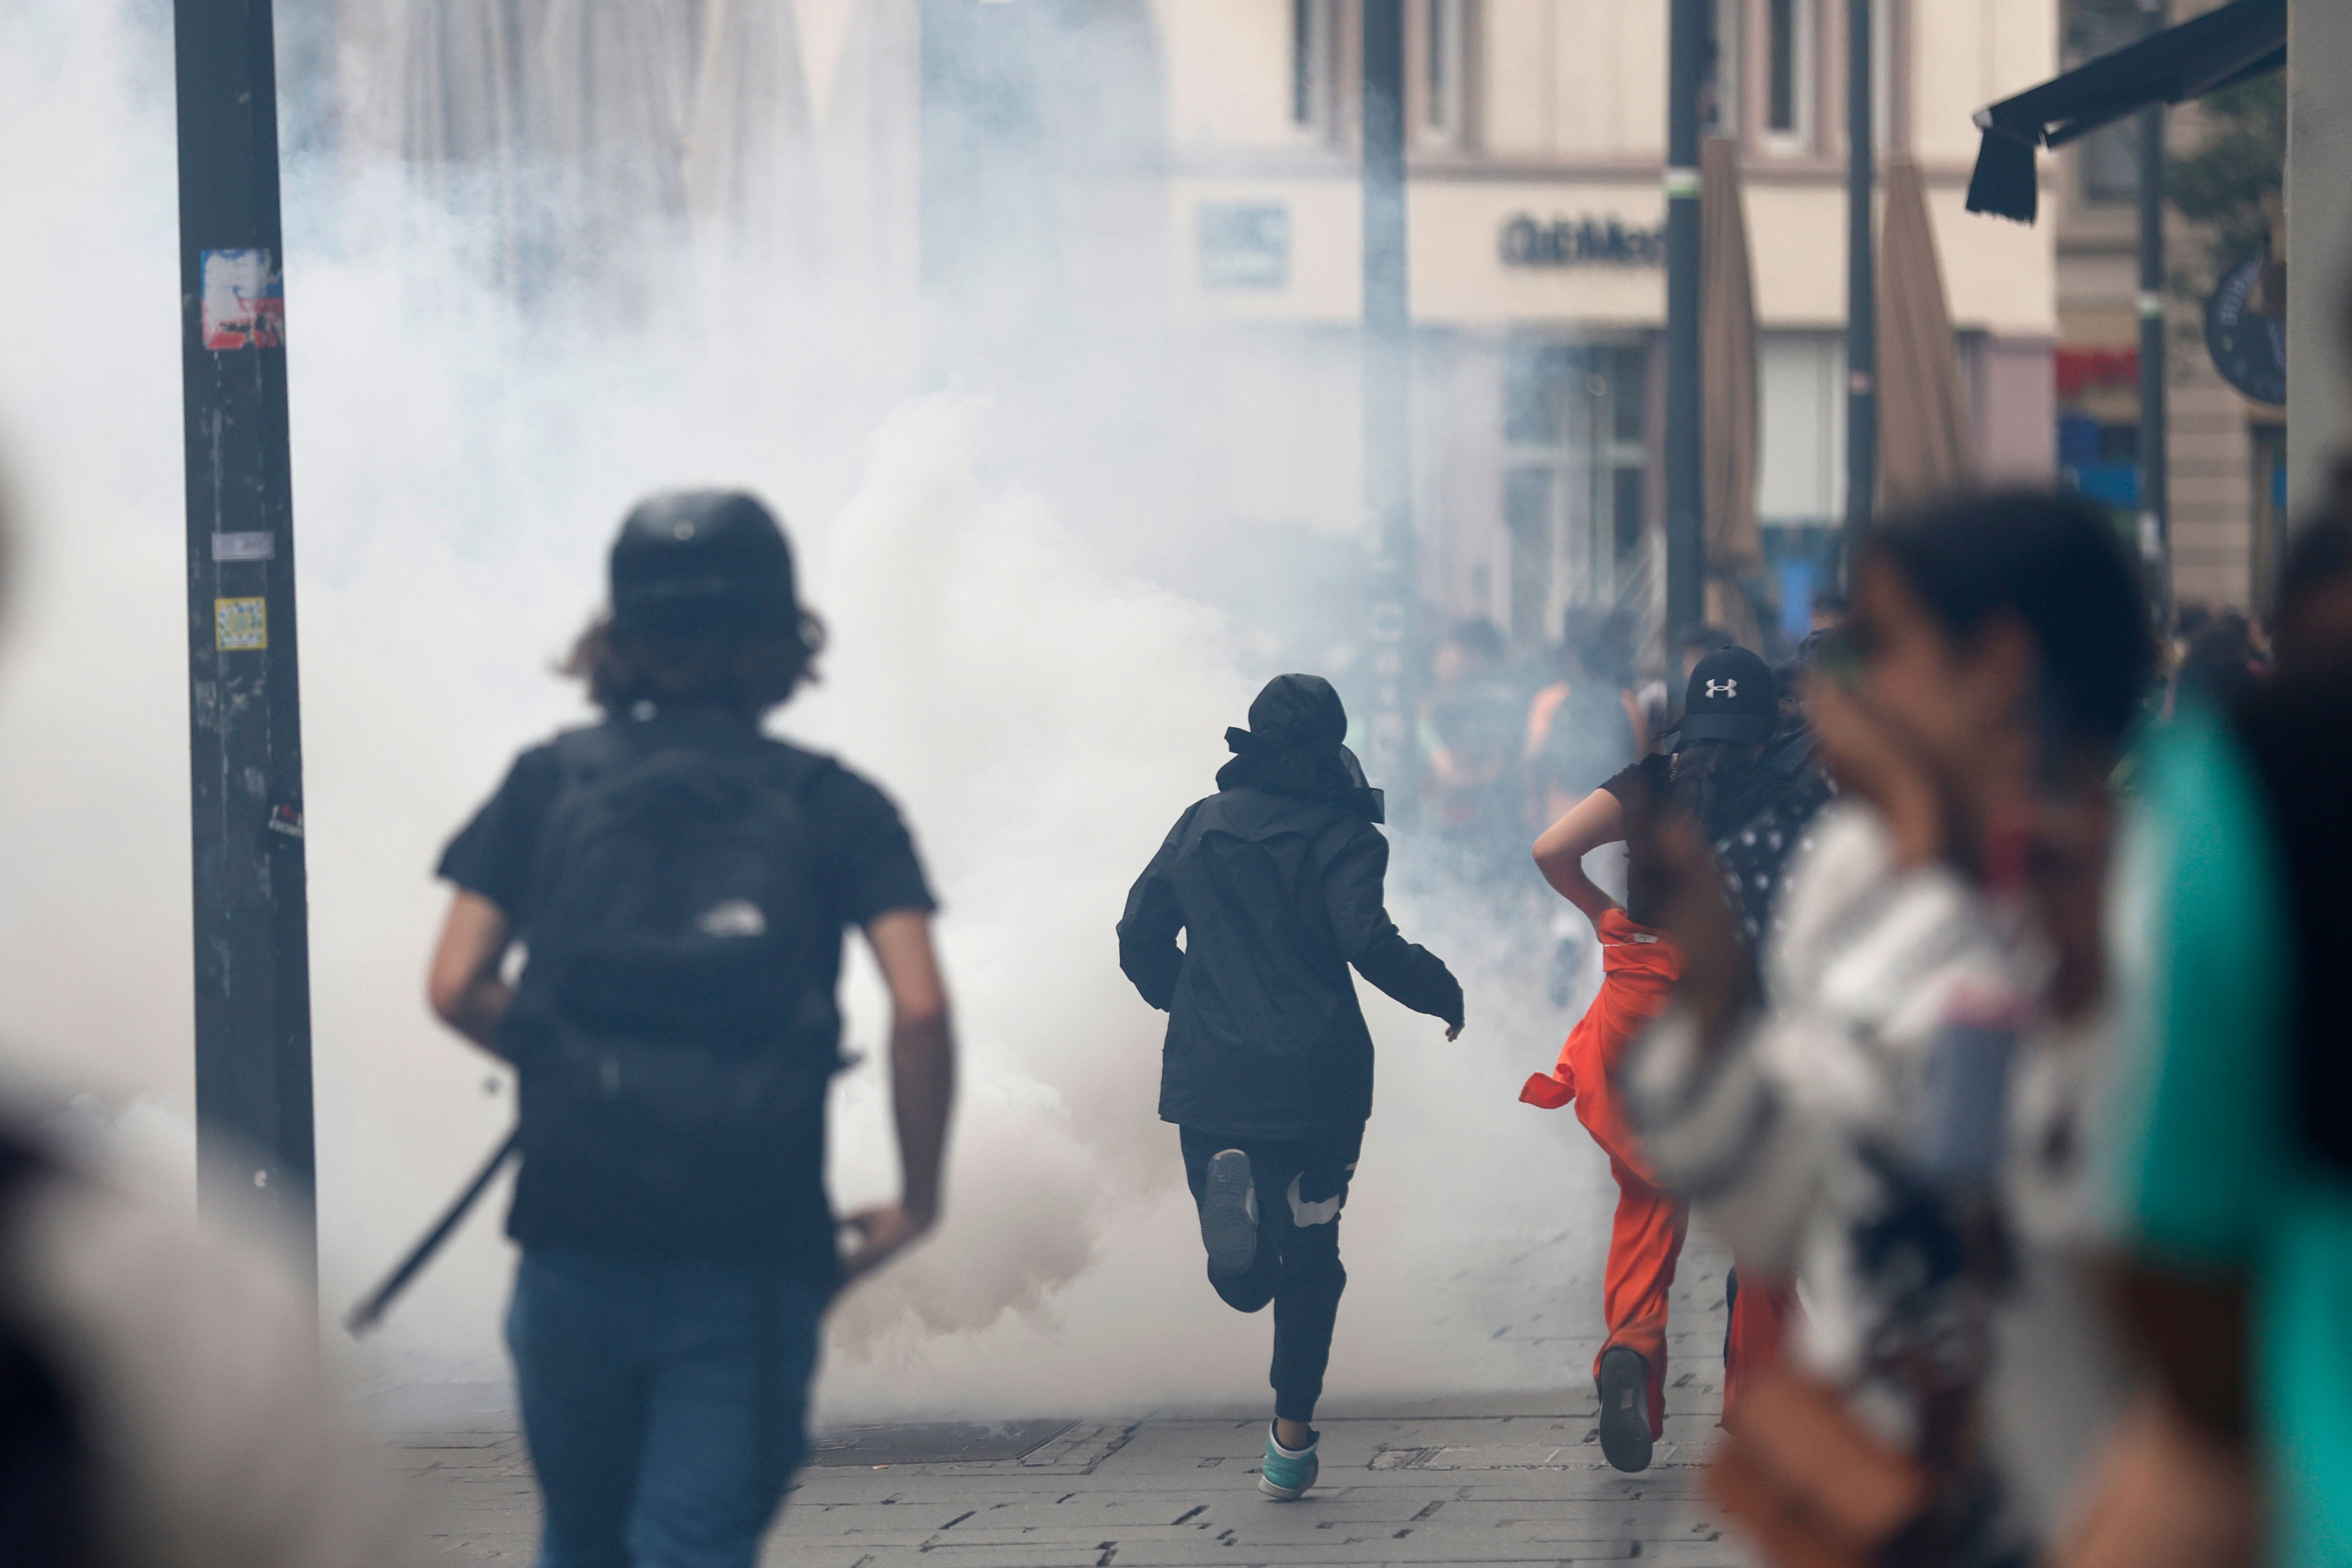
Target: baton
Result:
[[370, 1312]]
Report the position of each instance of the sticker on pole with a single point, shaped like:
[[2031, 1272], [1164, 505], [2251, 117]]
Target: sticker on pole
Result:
[[243, 304], [240, 624]]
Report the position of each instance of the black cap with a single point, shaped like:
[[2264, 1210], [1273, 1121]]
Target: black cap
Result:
[[1731, 697], [699, 560]]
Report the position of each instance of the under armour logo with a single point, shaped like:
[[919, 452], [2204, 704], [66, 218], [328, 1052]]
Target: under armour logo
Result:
[[1723, 688]]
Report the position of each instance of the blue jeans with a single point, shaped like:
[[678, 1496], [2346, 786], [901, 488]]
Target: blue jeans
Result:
[[663, 1422]]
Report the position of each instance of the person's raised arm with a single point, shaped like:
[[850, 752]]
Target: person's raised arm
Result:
[[922, 1086], [1598, 819], [463, 984]]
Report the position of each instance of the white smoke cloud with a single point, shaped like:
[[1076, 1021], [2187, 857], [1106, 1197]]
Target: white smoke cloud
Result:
[[1041, 715]]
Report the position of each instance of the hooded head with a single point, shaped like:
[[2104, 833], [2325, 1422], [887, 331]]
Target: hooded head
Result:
[[1294, 745]]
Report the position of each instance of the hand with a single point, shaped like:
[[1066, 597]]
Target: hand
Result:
[[1453, 1031], [882, 1233], [1872, 760]]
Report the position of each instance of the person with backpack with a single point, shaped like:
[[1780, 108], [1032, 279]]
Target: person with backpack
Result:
[[1275, 883], [680, 883], [1716, 778]]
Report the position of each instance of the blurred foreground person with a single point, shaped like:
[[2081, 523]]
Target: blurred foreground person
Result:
[[1716, 780], [162, 1401], [2235, 1144], [681, 883], [1276, 883], [1897, 1113]]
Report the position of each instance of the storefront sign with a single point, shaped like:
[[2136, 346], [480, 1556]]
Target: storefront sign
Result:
[[1581, 242], [2249, 350], [1245, 246]]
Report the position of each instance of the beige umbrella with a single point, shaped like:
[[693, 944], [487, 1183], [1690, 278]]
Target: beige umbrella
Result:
[[1923, 424], [1735, 541]]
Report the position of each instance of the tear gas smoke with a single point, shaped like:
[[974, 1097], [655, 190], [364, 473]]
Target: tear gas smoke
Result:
[[1041, 711]]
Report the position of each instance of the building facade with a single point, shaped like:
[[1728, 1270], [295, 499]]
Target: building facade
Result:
[[1536, 139], [2225, 453]]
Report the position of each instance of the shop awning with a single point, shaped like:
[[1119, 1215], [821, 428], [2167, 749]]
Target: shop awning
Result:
[[2244, 38]]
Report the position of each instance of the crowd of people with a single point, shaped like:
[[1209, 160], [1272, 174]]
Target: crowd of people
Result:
[[1969, 974]]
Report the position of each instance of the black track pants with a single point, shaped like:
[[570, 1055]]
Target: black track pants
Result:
[[1300, 1187]]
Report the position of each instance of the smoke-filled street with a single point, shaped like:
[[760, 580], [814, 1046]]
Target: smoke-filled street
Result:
[[1016, 783]]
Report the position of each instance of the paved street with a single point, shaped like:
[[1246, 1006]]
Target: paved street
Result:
[[1508, 1477]]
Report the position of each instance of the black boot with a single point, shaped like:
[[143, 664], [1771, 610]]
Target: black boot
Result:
[[1625, 1409]]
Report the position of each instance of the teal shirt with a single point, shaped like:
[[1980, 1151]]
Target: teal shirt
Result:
[[2209, 1168]]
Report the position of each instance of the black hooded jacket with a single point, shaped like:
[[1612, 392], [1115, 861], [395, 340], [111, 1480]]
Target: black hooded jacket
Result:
[[1275, 881]]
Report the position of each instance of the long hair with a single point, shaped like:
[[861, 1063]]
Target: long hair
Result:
[[741, 673], [1705, 773]]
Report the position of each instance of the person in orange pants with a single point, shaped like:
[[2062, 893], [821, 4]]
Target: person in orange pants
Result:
[[1719, 779]]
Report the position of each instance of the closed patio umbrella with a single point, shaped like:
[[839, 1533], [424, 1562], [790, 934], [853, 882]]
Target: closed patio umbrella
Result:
[[1735, 541], [1923, 424]]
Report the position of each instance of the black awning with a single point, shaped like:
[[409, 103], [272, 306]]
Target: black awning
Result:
[[2244, 38]]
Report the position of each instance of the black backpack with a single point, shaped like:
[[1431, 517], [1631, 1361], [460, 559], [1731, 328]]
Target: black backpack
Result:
[[676, 1026]]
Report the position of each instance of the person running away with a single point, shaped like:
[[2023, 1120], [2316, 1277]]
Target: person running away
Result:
[[1719, 779], [1276, 883], [681, 883]]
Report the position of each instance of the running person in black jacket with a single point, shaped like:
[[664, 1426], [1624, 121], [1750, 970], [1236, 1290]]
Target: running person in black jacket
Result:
[[1275, 881]]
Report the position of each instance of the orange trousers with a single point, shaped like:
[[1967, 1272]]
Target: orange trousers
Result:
[[1639, 968]]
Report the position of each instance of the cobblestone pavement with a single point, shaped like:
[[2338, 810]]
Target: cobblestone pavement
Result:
[[1512, 1478]]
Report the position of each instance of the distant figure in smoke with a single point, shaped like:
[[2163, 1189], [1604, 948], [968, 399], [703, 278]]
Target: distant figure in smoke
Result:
[[1470, 735], [1581, 729], [1719, 778], [1276, 883], [681, 882]]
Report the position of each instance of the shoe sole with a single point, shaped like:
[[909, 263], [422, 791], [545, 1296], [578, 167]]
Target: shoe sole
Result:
[[1625, 1440], [1228, 1229]]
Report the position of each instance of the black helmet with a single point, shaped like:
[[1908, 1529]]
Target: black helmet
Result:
[[703, 561]]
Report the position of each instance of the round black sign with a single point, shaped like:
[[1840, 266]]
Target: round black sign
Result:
[[2250, 350]]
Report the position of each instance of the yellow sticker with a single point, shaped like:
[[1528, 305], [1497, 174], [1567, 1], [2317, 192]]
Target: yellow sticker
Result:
[[240, 624]]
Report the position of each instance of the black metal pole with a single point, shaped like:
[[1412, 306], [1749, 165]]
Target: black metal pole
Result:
[[2155, 502], [245, 737], [1388, 391], [1686, 482], [1861, 282]]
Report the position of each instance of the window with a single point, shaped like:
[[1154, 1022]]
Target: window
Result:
[[2109, 159], [1313, 27], [1443, 42], [1783, 56], [1575, 422]]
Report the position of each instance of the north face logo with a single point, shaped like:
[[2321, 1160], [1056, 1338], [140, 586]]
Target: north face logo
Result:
[[1723, 688]]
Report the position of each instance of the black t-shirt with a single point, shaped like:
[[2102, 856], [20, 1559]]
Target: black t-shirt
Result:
[[867, 869], [1643, 789]]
